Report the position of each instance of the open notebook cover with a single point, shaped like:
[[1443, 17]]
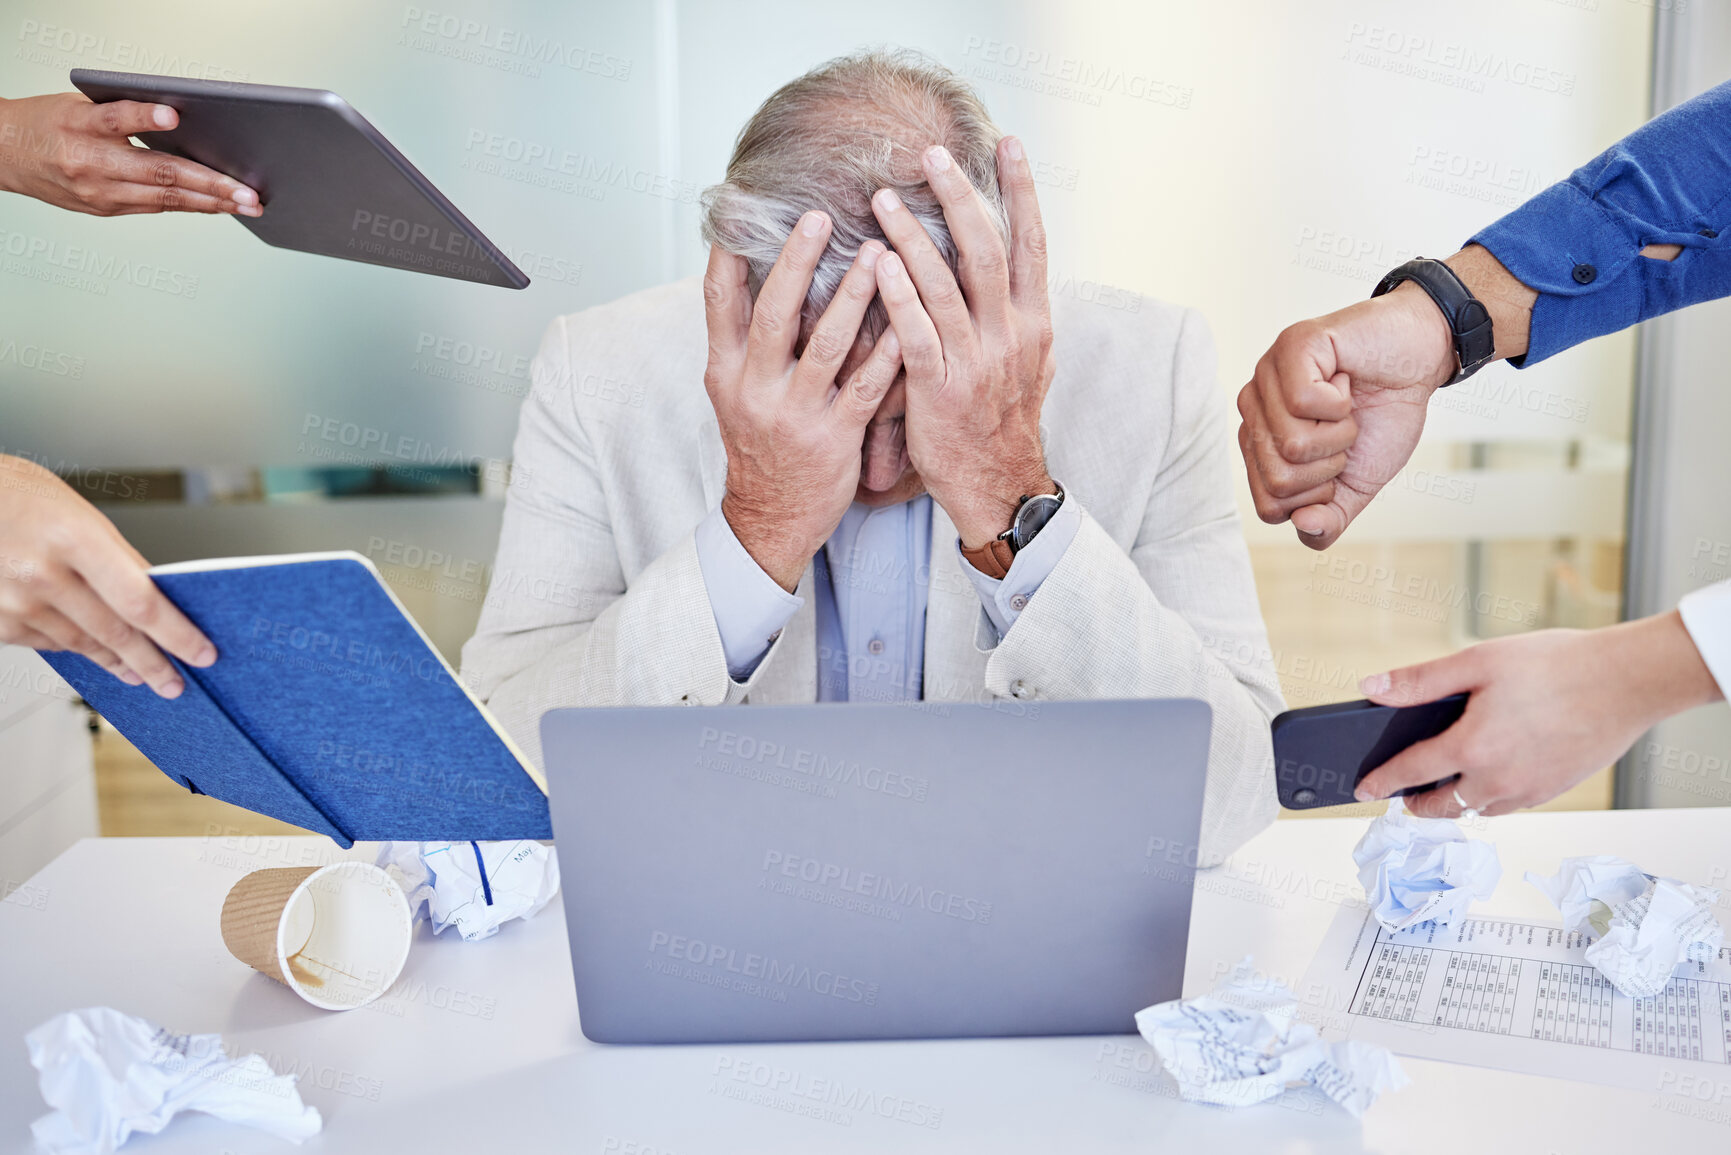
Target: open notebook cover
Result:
[[327, 707]]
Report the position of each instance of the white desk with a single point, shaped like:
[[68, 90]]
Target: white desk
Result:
[[477, 1048]]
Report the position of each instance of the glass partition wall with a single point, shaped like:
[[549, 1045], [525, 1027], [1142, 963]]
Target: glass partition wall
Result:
[[1261, 161]]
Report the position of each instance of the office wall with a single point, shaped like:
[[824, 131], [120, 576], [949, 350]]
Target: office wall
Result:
[[1263, 160]]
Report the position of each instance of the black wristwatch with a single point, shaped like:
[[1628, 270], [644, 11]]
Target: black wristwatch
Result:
[[1468, 319]]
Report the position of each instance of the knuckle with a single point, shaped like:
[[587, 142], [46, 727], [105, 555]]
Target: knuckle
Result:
[[946, 293], [859, 288], [766, 326], [1295, 447], [1044, 335], [140, 607], [48, 582], [827, 346], [1033, 242], [1281, 481], [163, 173], [116, 634]]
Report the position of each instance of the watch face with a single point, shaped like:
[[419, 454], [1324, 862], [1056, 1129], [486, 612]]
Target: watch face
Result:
[[1032, 518]]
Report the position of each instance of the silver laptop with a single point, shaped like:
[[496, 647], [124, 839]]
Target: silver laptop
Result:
[[852, 871]]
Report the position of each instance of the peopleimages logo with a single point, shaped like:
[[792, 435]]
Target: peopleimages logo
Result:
[[726, 967], [749, 757], [876, 887]]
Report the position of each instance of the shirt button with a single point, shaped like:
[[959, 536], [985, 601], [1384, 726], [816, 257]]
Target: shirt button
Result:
[[1584, 274], [1709, 233], [1020, 689], [1019, 602], [876, 645]]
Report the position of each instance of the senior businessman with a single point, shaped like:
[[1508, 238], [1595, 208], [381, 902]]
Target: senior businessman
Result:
[[866, 459]]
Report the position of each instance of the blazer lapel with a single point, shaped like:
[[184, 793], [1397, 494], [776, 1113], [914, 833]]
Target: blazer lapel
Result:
[[955, 667]]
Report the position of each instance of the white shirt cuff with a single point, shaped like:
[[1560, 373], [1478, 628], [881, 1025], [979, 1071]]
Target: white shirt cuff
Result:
[[1005, 598], [1707, 616], [750, 608]]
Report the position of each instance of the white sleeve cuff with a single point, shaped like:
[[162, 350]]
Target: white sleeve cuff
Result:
[[1005, 598], [750, 608], [1707, 616]]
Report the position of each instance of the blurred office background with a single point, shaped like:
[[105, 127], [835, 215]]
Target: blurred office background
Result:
[[1262, 160]]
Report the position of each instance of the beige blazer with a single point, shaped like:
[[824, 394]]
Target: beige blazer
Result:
[[597, 598]]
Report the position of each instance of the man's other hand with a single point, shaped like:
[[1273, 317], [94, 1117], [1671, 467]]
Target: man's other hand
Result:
[[792, 432], [978, 355], [75, 155], [69, 581]]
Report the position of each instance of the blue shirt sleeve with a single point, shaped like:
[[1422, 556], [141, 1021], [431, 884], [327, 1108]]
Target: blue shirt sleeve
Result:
[[1578, 243], [749, 608]]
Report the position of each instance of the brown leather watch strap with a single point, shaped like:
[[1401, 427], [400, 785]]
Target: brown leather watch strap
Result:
[[992, 559]]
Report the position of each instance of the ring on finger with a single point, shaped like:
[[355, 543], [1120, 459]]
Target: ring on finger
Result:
[[1467, 812]]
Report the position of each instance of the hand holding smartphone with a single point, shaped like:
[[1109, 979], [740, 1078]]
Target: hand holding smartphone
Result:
[[1321, 753]]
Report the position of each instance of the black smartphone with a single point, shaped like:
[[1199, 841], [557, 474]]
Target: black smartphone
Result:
[[1321, 753]]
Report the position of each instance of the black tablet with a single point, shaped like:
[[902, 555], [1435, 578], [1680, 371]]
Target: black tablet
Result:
[[1321, 753], [330, 183]]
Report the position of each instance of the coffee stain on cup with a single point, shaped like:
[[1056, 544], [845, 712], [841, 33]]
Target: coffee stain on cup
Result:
[[302, 974]]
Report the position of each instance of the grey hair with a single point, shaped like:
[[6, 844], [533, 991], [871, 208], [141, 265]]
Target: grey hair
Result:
[[832, 138]]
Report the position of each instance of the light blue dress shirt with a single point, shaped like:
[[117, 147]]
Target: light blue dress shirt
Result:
[[872, 583]]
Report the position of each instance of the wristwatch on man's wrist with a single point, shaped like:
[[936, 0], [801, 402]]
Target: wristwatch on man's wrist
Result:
[[995, 557], [1468, 320]]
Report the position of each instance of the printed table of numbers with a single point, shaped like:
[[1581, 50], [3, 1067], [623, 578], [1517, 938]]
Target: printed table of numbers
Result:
[[1521, 981]]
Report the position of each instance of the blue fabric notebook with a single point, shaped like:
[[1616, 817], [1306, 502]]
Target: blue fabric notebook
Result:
[[326, 707]]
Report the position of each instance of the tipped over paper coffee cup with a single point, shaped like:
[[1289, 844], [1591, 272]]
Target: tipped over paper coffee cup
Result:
[[335, 935]]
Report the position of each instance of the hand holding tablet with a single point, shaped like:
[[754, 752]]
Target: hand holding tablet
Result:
[[330, 182], [73, 154]]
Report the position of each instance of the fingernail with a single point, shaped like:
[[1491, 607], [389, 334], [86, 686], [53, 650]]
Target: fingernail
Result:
[[244, 196], [890, 266], [892, 344], [1363, 795], [130, 678], [1013, 148], [1310, 532], [172, 689], [163, 116], [869, 254], [1373, 685], [886, 200], [250, 211], [937, 158], [811, 224], [205, 656]]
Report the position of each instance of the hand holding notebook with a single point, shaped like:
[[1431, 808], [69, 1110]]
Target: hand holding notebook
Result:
[[327, 708]]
